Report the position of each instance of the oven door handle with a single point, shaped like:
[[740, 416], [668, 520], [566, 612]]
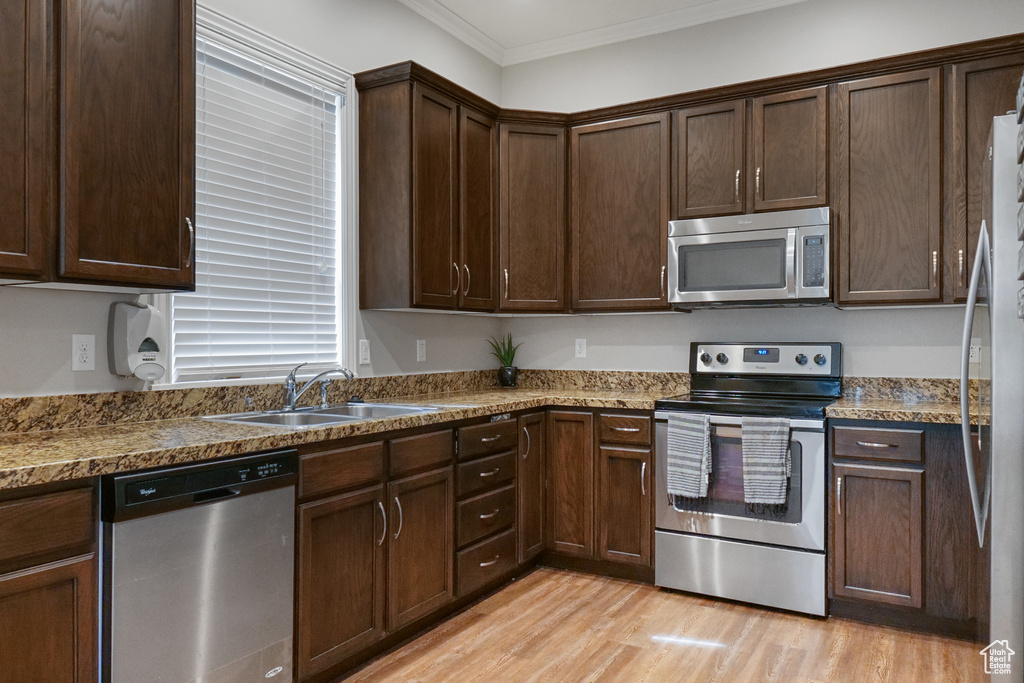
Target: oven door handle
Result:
[[814, 424]]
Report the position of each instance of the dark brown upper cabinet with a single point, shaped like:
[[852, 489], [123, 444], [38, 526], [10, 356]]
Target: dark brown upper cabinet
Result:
[[619, 175], [887, 191], [532, 217], [25, 116], [762, 154], [977, 91], [427, 200], [124, 168], [128, 152]]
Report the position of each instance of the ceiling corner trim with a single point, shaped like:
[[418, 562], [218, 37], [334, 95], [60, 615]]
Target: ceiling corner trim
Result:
[[703, 13], [458, 27]]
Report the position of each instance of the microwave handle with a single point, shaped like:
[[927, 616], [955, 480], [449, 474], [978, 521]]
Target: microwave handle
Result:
[[792, 254]]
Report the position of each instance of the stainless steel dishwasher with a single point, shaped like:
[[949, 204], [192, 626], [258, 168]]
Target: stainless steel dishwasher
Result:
[[198, 564]]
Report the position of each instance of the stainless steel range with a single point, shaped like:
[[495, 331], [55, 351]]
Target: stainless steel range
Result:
[[719, 544]]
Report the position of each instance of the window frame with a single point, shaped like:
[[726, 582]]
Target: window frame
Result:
[[252, 43]]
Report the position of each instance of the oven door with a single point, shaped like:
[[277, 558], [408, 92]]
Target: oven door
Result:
[[799, 523], [737, 266]]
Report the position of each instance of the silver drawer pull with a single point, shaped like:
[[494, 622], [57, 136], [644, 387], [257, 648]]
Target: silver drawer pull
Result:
[[488, 439], [490, 516], [872, 444], [492, 562], [625, 429], [491, 473]]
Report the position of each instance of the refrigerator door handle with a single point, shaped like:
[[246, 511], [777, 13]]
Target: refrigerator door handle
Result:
[[982, 259]]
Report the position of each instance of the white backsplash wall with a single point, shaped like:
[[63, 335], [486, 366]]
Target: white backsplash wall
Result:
[[918, 342], [454, 342]]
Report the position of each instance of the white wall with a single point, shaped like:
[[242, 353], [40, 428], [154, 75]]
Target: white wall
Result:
[[800, 37], [919, 342]]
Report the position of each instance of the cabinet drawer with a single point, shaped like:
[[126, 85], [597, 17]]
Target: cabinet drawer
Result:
[[633, 429], [44, 528], [493, 437], [419, 452], [871, 443], [485, 473], [485, 514], [341, 468], [485, 562]]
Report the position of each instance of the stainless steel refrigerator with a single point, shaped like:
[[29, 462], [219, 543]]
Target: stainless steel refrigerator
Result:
[[995, 462]]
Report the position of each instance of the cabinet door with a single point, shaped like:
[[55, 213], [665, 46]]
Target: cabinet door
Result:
[[532, 178], [421, 537], [887, 150], [624, 504], [530, 484], [478, 201], [708, 160], [26, 116], [790, 150], [570, 472], [435, 196], [878, 542], [128, 78], [48, 622], [341, 577], [978, 91], [620, 193]]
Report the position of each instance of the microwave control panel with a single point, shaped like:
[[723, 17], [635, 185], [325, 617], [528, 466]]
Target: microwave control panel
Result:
[[814, 261]]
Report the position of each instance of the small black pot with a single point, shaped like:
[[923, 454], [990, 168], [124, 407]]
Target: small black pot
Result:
[[507, 375]]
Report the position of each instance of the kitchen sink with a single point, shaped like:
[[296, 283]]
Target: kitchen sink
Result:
[[322, 417]]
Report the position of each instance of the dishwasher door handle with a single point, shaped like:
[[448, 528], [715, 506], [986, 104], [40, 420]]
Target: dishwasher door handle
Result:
[[215, 494]]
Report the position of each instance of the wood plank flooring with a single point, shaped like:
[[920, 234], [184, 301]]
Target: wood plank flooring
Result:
[[561, 626]]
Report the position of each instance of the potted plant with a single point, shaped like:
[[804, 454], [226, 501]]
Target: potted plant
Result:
[[505, 352]]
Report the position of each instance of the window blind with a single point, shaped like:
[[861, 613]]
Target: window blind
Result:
[[267, 223]]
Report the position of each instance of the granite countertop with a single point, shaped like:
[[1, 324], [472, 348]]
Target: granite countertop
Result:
[[37, 457]]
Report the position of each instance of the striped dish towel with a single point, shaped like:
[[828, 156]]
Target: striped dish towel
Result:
[[689, 455], [767, 462]]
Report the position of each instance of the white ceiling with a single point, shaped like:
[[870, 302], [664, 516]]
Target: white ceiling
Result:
[[514, 31]]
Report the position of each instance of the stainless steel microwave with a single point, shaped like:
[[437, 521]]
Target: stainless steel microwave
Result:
[[781, 256]]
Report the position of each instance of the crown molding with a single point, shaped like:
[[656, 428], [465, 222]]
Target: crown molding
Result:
[[458, 27]]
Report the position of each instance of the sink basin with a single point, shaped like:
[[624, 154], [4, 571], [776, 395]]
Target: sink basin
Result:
[[322, 417]]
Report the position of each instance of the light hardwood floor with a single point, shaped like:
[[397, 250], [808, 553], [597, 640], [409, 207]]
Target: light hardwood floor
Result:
[[564, 627]]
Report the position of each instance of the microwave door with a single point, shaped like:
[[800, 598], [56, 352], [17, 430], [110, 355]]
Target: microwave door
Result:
[[741, 266]]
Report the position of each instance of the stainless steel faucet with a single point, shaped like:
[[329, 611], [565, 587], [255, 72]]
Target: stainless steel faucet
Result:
[[291, 395]]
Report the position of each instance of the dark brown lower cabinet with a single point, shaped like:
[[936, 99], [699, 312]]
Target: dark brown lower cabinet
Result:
[[530, 476], [48, 622], [570, 492], [624, 504], [341, 584], [879, 544], [420, 552]]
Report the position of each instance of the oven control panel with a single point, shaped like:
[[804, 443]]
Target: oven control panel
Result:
[[780, 358]]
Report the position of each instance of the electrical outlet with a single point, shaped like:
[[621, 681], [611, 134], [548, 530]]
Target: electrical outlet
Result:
[[581, 348], [364, 351], [975, 356], [83, 352], [421, 350]]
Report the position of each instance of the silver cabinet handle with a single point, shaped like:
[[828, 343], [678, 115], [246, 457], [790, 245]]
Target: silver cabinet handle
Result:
[[737, 195], [663, 280], [625, 429], [935, 269], [643, 478], [490, 516], [491, 473], [400, 517], [465, 292], [489, 439], [757, 182], [191, 240], [492, 562], [527, 451], [506, 284], [458, 278], [960, 266], [384, 530], [839, 496], [873, 444]]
